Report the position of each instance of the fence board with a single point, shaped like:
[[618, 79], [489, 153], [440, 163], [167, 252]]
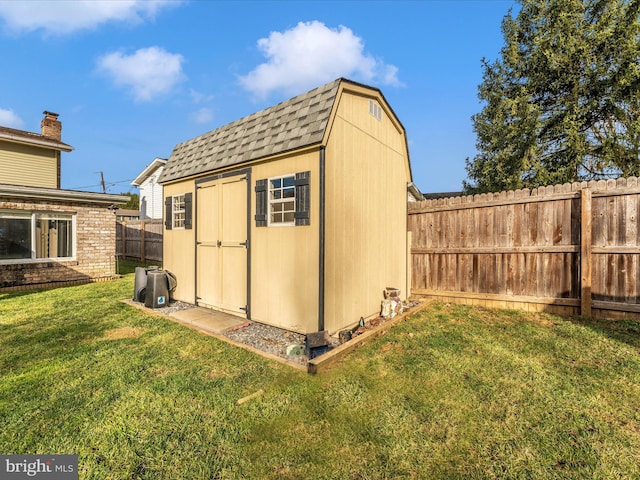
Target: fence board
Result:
[[140, 239], [574, 246]]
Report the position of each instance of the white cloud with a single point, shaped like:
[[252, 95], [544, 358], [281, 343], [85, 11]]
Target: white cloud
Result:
[[8, 118], [311, 54], [148, 73], [203, 115], [64, 17], [198, 97]]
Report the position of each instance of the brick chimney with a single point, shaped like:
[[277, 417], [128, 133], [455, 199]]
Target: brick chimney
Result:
[[50, 126]]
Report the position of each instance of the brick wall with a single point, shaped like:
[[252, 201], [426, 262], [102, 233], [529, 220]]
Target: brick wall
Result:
[[95, 246]]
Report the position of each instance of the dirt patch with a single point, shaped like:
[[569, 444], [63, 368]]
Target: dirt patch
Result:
[[123, 332]]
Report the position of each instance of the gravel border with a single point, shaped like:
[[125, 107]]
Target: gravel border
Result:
[[260, 336], [268, 339], [174, 306], [274, 340]]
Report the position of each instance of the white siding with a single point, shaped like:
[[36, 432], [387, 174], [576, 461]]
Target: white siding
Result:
[[151, 202]]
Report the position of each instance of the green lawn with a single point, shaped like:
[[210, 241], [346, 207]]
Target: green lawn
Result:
[[456, 392]]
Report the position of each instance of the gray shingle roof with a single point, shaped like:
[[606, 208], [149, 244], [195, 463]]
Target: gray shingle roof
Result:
[[295, 123]]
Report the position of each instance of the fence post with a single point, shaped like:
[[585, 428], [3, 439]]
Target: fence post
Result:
[[142, 240], [585, 252], [124, 239]]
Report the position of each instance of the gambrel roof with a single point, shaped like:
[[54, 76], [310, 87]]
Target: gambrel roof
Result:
[[296, 123]]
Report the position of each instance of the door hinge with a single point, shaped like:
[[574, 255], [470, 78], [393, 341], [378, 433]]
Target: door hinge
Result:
[[219, 243], [245, 308], [245, 243]]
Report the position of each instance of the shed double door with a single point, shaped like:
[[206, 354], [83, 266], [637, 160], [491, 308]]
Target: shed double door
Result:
[[221, 249]]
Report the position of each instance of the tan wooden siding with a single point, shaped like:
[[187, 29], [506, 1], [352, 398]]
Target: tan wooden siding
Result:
[[28, 166], [366, 181], [179, 249], [354, 109], [285, 259]]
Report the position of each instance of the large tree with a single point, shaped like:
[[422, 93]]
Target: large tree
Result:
[[562, 104], [133, 203]]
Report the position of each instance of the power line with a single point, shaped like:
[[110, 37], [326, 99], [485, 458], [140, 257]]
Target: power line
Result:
[[106, 183]]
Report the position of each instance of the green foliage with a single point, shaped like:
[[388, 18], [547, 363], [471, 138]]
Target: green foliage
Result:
[[562, 104], [133, 203]]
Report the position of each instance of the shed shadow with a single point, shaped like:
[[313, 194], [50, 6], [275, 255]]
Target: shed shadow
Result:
[[625, 330]]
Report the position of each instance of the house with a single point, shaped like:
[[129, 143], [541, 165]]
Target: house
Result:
[[151, 201], [295, 216], [49, 235], [439, 195], [127, 215]]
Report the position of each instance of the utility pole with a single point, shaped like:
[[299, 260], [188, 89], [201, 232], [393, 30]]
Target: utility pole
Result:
[[104, 188]]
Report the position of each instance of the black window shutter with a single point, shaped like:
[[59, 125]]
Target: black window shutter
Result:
[[168, 213], [261, 203], [303, 198], [188, 223]]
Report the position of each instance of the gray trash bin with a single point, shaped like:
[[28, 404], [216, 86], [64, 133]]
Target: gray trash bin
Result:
[[140, 284], [157, 291]]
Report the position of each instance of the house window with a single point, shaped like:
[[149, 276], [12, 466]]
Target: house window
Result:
[[375, 109], [54, 236], [15, 236], [282, 202], [178, 211], [36, 236]]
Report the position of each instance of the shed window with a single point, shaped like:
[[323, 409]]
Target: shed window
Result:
[[36, 236], [282, 202], [178, 211]]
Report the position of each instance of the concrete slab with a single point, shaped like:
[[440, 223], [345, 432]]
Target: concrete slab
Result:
[[215, 328], [191, 314], [218, 325], [208, 320]]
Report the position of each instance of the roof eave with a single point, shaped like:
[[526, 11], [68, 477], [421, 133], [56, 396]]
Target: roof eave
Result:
[[147, 172], [40, 193], [238, 166], [38, 141]]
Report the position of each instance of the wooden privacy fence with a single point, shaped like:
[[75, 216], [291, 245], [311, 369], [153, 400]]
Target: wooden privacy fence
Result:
[[572, 248], [140, 239]]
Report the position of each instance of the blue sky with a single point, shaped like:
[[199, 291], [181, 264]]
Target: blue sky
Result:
[[131, 79]]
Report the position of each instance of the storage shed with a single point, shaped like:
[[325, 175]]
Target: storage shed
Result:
[[295, 216]]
